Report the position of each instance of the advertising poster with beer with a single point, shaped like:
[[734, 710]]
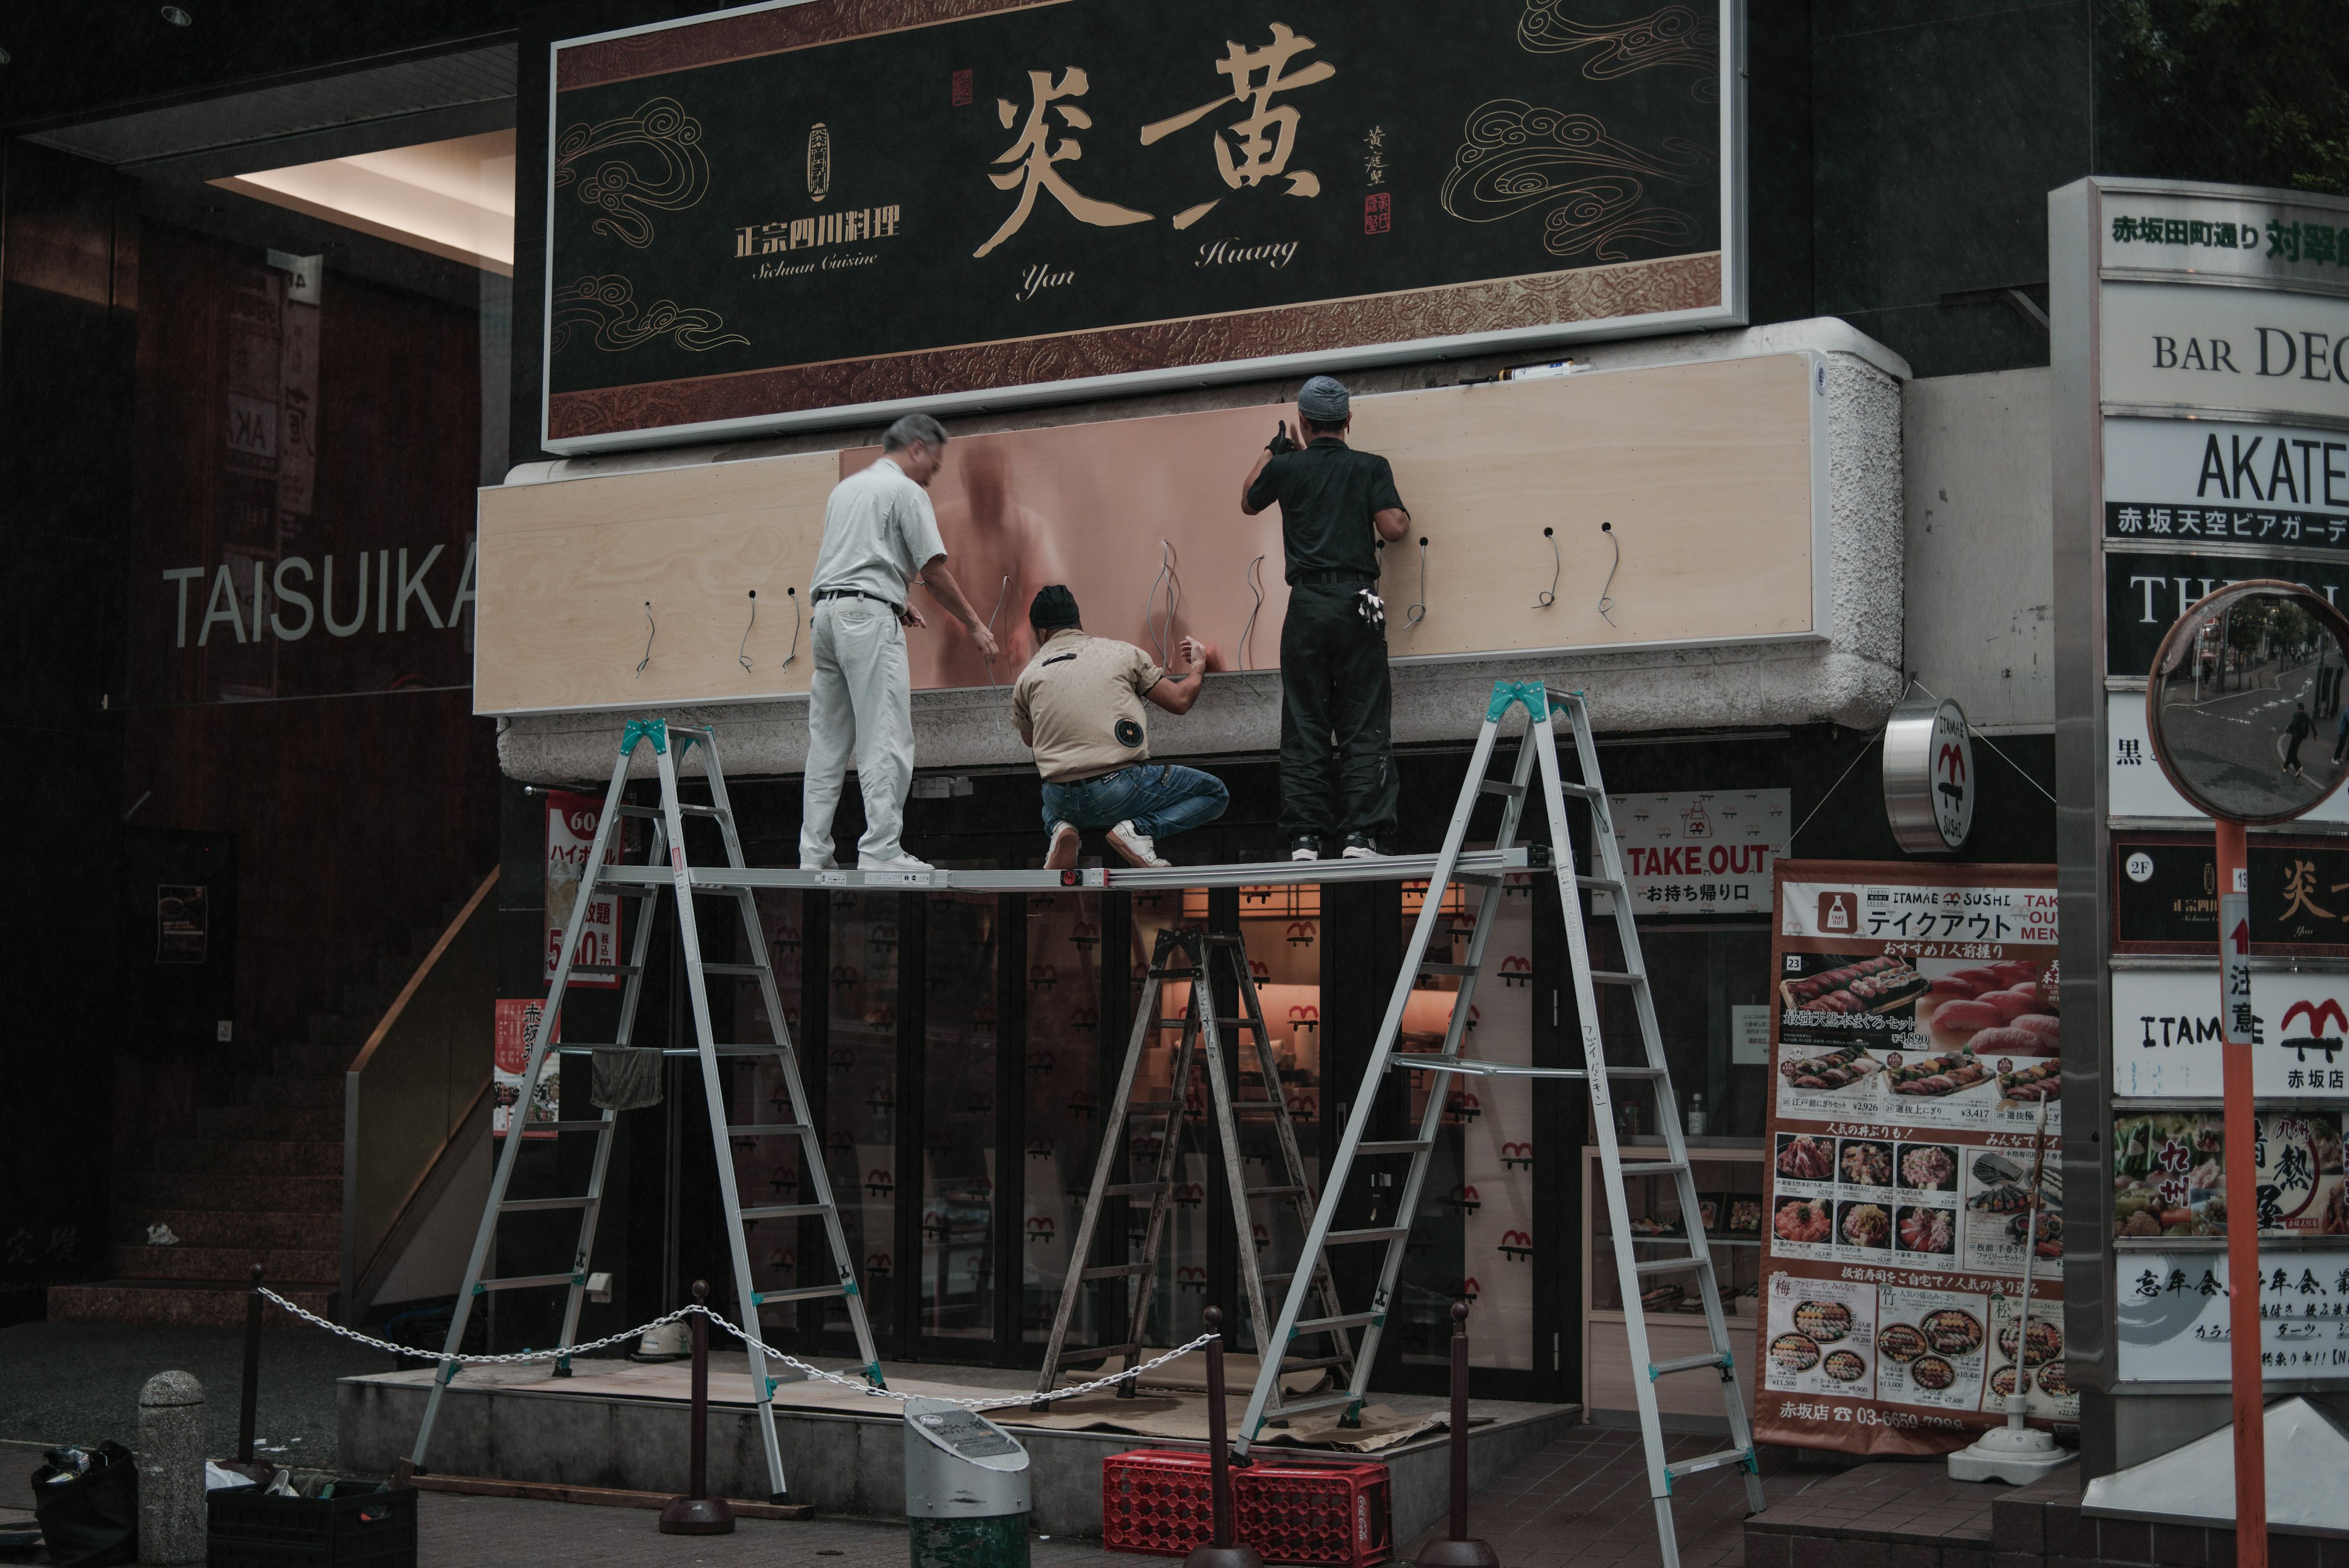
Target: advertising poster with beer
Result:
[[1914, 1136]]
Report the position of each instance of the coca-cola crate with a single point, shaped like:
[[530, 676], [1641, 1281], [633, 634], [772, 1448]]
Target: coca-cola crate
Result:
[[1157, 1500]]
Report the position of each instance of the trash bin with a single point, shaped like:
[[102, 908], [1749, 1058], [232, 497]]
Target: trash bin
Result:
[[967, 1498], [88, 1506]]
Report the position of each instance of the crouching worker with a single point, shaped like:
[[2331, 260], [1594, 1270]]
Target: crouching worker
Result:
[[1078, 704]]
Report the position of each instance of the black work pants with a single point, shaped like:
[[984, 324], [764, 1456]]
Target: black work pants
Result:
[[1337, 727]]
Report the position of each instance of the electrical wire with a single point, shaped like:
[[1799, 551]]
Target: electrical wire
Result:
[[1163, 642], [798, 615], [650, 628], [1001, 594], [1557, 568], [1605, 603], [742, 652], [1418, 611], [1252, 576]]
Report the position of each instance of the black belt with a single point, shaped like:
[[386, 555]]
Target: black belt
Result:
[[1333, 578], [823, 594]]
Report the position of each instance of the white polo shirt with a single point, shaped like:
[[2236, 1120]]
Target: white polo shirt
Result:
[[879, 532]]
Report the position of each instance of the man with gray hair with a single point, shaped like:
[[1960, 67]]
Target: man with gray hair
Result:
[[879, 534], [1336, 736]]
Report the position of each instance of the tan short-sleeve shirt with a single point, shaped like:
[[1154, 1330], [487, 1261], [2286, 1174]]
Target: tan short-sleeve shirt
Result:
[[1081, 699]]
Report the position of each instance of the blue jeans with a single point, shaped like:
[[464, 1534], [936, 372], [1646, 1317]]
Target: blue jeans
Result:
[[1158, 798]]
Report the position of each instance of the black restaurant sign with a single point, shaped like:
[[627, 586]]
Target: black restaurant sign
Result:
[[804, 214], [2166, 901], [2146, 591]]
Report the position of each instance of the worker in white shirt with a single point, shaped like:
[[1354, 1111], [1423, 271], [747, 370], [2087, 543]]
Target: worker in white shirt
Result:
[[1078, 704], [879, 535]]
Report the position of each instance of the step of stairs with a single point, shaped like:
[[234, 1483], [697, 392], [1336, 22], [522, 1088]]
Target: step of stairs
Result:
[[319, 1229], [275, 1194], [179, 1302], [227, 1266], [270, 1123], [269, 1159], [281, 1089]]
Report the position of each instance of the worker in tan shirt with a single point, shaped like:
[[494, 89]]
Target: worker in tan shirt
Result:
[[1078, 704]]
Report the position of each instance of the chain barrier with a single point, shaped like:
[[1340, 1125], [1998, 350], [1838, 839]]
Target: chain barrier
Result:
[[750, 1340]]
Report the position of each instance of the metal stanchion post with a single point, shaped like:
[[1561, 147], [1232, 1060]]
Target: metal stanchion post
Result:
[[697, 1512], [1456, 1550], [250, 1397], [1221, 1551]]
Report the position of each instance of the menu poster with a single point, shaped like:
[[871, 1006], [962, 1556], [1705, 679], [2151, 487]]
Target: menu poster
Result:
[[571, 822], [1915, 1142]]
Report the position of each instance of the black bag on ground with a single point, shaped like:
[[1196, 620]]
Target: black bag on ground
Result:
[[90, 1520]]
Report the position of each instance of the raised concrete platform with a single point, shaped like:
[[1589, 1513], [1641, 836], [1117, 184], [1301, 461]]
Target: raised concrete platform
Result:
[[620, 1425]]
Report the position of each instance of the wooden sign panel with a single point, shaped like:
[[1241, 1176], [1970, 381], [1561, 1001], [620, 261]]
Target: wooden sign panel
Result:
[[1709, 477]]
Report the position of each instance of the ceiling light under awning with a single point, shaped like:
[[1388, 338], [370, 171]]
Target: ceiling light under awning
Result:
[[452, 199]]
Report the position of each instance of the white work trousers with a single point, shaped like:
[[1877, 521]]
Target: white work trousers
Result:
[[861, 701]]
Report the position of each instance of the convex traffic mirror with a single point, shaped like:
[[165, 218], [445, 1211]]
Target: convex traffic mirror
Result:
[[2245, 702]]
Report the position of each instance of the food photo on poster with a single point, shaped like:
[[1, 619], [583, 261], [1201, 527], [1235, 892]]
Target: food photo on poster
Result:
[[1914, 1155]]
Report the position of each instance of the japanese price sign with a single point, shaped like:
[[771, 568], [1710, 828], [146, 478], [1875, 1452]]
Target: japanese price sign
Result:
[[1916, 1033]]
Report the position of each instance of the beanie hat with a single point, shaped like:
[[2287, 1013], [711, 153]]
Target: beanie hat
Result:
[[1053, 608], [1325, 401]]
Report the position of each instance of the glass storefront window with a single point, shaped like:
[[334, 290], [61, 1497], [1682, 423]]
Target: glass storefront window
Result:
[[958, 1118], [1061, 1077], [766, 1169], [1473, 1233], [860, 1097], [1703, 975]]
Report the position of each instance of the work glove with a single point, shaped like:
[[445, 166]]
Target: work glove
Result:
[[1280, 441]]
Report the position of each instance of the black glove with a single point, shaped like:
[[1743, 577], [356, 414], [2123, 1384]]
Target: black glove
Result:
[[1280, 441]]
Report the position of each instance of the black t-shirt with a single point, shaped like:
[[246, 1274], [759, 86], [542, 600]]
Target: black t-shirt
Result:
[[1327, 491]]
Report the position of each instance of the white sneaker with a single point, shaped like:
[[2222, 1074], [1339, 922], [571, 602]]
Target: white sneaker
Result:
[[1062, 855], [1137, 850], [1306, 849], [826, 863], [1360, 849], [901, 861]]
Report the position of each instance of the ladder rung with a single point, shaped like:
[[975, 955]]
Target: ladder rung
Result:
[[1458, 969], [1615, 1072], [1652, 1167], [1598, 884], [1695, 1263], [1689, 1364], [1131, 1189], [607, 968], [524, 1282], [769, 1049], [1330, 1325], [535, 1205], [1395, 1146], [1616, 977], [647, 813], [1113, 1270], [687, 808], [801, 1293], [785, 1210], [1297, 1191], [769, 1129], [1383, 1233], [1708, 1462], [1584, 791], [733, 969], [1497, 786]]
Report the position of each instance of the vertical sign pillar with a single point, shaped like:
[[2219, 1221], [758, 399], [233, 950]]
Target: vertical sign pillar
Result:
[[2239, 1027]]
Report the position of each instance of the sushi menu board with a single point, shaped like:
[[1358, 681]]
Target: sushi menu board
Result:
[[1915, 1142]]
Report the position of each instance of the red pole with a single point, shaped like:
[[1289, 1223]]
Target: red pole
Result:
[[1459, 1551], [699, 1513], [1221, 1551], [2242, 1234]]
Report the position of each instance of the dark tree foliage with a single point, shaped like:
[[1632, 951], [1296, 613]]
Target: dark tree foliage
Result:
[[2252, 92]]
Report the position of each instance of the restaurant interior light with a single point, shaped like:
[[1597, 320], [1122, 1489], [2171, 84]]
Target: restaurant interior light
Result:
[[454, 198]]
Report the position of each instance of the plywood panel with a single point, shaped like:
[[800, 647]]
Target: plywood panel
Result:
[[1704, 470], [566, 570]]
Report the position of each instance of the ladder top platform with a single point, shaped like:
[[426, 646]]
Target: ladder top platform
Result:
[[1386, 869]]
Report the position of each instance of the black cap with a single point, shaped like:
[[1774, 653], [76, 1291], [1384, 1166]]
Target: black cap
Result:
[[1054, 606]]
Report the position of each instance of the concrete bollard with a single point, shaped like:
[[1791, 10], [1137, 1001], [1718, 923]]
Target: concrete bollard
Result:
[[172, 1525]]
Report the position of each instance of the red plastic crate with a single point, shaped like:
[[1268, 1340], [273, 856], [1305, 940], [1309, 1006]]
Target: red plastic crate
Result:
[[1156, 1500]]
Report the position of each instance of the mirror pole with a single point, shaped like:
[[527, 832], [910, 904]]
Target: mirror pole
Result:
[[2242, 1208]]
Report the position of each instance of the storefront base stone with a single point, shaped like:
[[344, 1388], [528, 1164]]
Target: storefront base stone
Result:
[[841, 1464], [1908, 1513]]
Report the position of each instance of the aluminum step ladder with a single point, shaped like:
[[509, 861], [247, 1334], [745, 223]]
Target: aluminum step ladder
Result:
[[1208, 957], [1634, 1274], [665, 849]]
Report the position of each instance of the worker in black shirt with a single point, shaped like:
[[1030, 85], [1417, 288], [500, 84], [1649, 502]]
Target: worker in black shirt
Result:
[[1337, 732]]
